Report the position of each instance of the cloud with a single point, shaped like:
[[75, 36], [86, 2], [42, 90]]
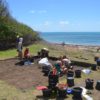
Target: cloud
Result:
[[47, 23], [38, 11], [32, 11], [63, 22]]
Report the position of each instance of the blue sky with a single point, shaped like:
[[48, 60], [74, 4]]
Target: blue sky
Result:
[[57, 15]]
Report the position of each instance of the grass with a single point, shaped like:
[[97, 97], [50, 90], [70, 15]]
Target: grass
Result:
[[7, 54], [11, 93], [11, 53], [54, 50]]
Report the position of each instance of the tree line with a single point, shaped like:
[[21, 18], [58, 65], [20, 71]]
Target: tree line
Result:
[[10, 28]]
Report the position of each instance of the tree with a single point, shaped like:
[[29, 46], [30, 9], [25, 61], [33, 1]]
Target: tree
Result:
[[4, 12], [10, 28]]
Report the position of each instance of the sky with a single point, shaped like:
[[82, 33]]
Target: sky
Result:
[[57, 15]]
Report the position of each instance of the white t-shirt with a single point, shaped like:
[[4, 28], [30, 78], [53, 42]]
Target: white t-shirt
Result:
[[20, 39], [66, 61], [19, 46]]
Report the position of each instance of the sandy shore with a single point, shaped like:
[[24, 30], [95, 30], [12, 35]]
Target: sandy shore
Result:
[[74, 50], [75, 47]]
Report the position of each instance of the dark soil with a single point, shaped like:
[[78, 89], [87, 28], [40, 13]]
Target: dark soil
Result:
[[28, 76], [24, 76]]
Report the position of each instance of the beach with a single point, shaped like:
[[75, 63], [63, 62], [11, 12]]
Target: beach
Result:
[[73, 47], [74, 44], [26, 78], [79, 53]]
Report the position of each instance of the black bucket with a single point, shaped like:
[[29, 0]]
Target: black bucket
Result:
[[77, 93], [70, 81], [78, 73], [96, 58], [98, 85], [70, 74], [93, 67], [53, 81], [52, 85], [98, 62], [62, 93], [89, 83], [46, 70], [47, 92], [53, 88], [54, 78]]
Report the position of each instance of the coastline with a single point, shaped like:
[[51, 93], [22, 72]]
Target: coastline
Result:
[[74, 52], [73, 45], [79, 46]]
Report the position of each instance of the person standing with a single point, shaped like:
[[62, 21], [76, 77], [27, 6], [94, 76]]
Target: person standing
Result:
[[20, 47]]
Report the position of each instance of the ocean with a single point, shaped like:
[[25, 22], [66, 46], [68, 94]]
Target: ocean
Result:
[[75, 38]]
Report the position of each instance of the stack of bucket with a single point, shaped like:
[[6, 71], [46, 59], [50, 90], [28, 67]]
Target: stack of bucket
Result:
[[46, 69], [77, 93], [52, 82], [70, 78], [89, 83], [77, 73], [93, 67], [47, 92], [53, 90], [98, 85], [62, 93]]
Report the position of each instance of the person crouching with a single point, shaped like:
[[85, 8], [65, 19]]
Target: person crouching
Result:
[[27, 54]]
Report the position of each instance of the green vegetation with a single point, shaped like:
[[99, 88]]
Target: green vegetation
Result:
[[11, 53], [55, 50], [10, 28]]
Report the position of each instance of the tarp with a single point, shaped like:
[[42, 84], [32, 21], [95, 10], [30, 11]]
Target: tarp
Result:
[[87, 97], [86, 71], [44, 61], [41, 87]]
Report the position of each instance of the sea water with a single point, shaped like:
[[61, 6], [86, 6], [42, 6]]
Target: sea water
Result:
[[76, 38]]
